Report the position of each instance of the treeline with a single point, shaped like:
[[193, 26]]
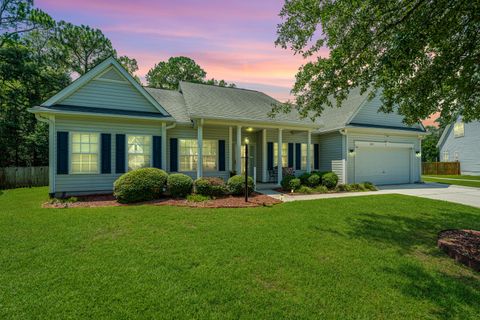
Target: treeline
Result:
[[39, 56]]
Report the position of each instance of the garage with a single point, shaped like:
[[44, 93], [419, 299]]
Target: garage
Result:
[[383, 162]]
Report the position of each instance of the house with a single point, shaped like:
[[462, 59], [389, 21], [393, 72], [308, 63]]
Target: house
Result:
[[105, 123], [461, 142]]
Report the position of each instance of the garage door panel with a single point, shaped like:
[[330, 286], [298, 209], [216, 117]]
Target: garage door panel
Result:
[[383, 165]]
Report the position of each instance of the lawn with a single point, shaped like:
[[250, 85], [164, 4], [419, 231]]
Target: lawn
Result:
[[361, 257], [473, 181]]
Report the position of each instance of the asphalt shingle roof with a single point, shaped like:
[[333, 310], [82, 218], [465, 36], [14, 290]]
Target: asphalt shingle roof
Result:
[[172, 101]]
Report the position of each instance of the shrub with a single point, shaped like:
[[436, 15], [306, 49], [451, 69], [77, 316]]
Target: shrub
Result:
[[197, 198], [330, 180], [286, 182], [295, 184], [179, 185], [305, 189], [369, 186], [304, 178], [358, 187], [314, 180], [213, 187], [344, 188], [236, 185], [321, 189], [140, 185]]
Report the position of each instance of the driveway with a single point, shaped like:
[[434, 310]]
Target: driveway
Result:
[[458, 194]]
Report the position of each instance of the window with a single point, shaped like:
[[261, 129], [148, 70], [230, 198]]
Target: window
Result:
[[84, 153], [189, 155], [304, 156], [445, 155], [139, 151], [284, 154], [458, 129]]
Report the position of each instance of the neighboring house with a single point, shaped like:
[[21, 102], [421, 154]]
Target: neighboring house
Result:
[[105, 123], [461, 142]]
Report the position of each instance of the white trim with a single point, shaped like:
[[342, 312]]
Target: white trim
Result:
[[309, 151], [164, 146], [200, 150], [264, 156], [384, 144], [273, 124], [238, 147], [279, 159], [230, 149], [99, 76], [94, 72]]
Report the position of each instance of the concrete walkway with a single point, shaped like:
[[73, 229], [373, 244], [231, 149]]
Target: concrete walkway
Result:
[[453, 193]]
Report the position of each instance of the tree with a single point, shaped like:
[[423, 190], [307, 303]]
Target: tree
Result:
[[83, 47], [18, 17], [220, 83], [421, 55], [430, 151], [167, 75], [130, 64]]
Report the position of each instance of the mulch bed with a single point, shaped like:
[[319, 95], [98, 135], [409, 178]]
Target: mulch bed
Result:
[[254, 200], [462, 245]]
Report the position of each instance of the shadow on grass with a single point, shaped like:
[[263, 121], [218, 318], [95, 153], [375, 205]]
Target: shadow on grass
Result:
[[453, 291]]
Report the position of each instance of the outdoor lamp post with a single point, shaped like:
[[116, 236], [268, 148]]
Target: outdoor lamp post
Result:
[[246, 169]]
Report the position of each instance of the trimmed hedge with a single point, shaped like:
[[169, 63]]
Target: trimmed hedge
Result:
[[295, 184], [285, 183], [140, 185], [330, 180], [179, 185], [314, 180], [236, 185], [211, 186]]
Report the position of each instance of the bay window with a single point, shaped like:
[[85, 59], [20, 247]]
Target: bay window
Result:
[[84, 153], [139, 151]]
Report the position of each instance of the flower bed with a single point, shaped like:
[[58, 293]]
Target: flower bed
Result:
[[254, 200], [461, 245]]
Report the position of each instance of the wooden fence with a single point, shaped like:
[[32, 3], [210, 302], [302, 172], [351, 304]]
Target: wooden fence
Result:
[[439, 168], [19, 177]]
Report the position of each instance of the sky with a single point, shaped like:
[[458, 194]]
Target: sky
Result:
[[230, 40]]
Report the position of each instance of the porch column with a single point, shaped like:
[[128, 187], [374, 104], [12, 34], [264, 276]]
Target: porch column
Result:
[[279, 160], [230, 149], [238, 153], [164, 146], [264, 156], [200, 149], [309, 152]]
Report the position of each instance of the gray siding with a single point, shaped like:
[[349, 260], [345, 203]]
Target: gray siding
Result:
[[112, 95], [466, 147], [351, 138], [331, 148], [369, 114]]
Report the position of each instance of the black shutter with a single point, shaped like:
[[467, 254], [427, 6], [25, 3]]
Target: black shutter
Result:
[[270, 155], [173, 154], [290, 155], [221, 155], [120, 153], [316, 156], [157, 152], [62, 152], [106, 153], [298, 156]]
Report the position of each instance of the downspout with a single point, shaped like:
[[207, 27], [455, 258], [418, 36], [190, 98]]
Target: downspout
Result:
[[51, 161], [343, 132]]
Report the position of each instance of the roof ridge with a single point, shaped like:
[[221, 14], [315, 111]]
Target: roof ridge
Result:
[[216, 86]]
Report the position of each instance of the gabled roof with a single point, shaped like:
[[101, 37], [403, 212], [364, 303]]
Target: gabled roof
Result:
[[214, 102], [444, 135], [173, 102], [93, 73]]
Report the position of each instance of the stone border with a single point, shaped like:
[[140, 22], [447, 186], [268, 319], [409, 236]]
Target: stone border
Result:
[[462, 245]]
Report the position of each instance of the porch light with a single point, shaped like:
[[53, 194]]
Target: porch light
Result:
[[247, 141], [249, 129], [418, 154], [351, 152]]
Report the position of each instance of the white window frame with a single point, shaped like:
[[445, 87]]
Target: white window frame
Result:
[[445, 156], [127, 153], [459, 129], [195, 156], [284, 154], [456, 156], [303, 157], [71, 153]]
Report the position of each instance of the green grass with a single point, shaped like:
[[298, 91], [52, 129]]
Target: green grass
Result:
[[474, 181], [361, 257]]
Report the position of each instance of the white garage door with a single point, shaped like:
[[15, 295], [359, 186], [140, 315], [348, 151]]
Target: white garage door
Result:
[[382, 165]]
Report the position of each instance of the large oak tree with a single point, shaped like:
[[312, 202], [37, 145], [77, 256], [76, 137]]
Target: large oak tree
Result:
[[423, 55]]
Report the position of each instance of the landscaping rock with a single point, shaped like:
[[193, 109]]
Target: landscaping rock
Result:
[[462, 245]]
